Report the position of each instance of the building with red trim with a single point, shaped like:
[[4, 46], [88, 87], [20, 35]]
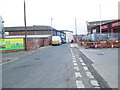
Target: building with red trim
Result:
[[109, 26]]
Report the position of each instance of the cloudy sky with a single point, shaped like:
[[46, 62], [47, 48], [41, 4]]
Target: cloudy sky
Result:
[[63, 12]]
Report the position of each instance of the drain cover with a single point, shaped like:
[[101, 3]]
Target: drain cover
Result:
[[100, 54]]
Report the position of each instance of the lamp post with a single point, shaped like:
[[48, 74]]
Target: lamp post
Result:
[[100, 19], [51, 26], [76, 28], [25, 26]]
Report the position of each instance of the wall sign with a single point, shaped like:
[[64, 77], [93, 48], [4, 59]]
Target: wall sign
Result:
[[11, 44], [116, 24]]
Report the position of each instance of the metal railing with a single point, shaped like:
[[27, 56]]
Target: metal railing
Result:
[[102, 37]]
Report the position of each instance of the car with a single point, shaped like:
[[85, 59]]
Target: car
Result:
[[56, 40]]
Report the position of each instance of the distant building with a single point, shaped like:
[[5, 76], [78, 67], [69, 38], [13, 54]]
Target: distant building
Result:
[[69, 35], [110, 30], [34, 30], [1, 28], [107, 26]]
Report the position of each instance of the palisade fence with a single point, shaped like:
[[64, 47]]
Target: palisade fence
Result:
[[109, 40], [102, 37]]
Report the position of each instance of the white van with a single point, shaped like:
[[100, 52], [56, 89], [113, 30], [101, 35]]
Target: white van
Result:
[[56, 40]]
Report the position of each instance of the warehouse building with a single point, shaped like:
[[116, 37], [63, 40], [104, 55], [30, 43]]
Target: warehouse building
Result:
[[33, 30], [37, 35], [96, 25], [110, 29]]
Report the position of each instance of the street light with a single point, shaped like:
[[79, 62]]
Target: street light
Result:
[[51, 25], [25, 26], [76, 27], [100, 19]]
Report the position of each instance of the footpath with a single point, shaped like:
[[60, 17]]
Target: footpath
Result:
[[105, 61]]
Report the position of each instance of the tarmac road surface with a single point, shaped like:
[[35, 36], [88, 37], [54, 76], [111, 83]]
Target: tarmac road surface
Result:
[[62, 66]]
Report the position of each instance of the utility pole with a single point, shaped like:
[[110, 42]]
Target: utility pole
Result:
[[25, 26], [51, 21], [76, 27], [100, 19], [51, 26]]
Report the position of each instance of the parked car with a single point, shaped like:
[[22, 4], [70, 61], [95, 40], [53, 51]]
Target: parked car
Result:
[[56, 40]]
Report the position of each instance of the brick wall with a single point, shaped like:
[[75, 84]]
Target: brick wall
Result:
[[47, 41], [34, 43]]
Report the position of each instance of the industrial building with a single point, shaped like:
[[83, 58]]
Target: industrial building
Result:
[[69, 35], [105, 30], [107, 26], [33, 30]]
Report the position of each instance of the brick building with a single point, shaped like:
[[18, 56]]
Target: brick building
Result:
[[33, 30]]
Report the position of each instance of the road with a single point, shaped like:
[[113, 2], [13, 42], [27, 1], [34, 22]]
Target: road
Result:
[[62, 66]]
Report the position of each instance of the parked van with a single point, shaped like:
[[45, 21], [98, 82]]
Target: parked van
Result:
[[56, 40]]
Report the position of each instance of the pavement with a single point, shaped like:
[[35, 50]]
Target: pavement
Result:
[[105, 61]]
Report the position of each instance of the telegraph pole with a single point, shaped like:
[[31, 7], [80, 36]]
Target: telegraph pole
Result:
[[76, 27], [25, 26], [51, 26], [100, 19], [51, 21]]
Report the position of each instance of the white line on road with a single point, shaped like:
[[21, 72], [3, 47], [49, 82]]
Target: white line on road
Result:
[[94, 83], [77, 74], [75, 64], [89, 75], [76, 68], [80, 58], [72, 52], [74, 61], [85, 68], [80, 84], [83, 63]]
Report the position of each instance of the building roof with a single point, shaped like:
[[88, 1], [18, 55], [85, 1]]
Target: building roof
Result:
[[67, 31], [29, 36], [98, 22], [29, 28], [118, 20]]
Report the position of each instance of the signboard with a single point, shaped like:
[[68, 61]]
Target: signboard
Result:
[[104, 27], [116, 24], [11, 44]]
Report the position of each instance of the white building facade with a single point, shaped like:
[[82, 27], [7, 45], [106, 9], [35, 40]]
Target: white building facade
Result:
[[69, 35]]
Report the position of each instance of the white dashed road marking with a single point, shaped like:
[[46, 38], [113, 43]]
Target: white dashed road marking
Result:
[[80, 58], [74, 61], [95, 83], [83, 63], [75, 64], [85, 68], [76, 68], [80, 84], [77, 74], [89, 75]]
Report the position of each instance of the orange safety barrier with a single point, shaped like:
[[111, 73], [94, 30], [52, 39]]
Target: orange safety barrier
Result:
[[103, 44]]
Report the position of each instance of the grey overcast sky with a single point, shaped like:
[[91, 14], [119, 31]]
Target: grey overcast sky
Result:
[[63, 12]]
